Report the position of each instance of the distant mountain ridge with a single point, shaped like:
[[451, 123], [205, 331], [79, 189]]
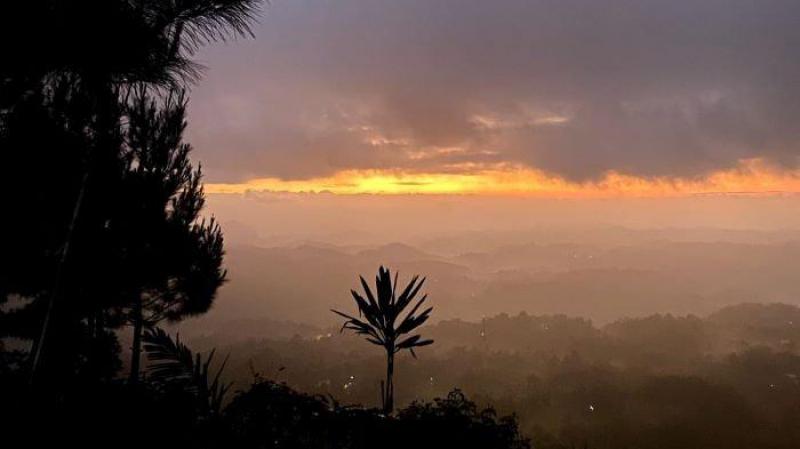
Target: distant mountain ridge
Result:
[[302, 282]]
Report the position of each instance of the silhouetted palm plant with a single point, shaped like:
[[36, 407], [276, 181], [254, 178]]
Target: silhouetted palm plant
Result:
[[380, 322], [173, 365]]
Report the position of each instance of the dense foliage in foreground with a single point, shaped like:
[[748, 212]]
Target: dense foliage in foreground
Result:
[[730, 379], [267, 415]]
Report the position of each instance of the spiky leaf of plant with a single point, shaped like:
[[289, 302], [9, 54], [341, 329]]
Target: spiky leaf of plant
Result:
[[378, 321], [173, 365]]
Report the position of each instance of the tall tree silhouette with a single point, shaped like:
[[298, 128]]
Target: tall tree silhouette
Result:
[[378, 322], [141, 254], [45, 142], [63, 95], [173, 262]]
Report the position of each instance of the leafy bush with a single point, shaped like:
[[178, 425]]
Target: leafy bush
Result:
[[271, 415]]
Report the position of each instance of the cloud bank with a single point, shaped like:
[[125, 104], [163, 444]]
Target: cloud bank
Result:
[[575, 88]]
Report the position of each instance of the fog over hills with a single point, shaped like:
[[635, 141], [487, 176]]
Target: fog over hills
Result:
[[602, 273], [566, 377]]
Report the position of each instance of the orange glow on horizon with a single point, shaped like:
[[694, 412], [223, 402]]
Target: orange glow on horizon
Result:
[[751, 177]]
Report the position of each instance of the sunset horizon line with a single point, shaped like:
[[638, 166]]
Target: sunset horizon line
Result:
[[751, 177]]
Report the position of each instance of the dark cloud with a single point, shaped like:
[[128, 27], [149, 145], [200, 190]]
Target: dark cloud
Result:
[[647, 87]]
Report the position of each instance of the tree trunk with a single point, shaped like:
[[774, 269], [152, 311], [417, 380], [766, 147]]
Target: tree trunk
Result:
[[39, 343], [388, 402], [102, 99], [136, 346]]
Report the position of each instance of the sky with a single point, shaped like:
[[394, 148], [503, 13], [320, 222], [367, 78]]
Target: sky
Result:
[[550, 98]]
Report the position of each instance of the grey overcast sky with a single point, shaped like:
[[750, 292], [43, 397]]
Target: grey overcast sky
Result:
[[572, 87]]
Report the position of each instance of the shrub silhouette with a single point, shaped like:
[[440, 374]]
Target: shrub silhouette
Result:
[[455, 421], [274, 415], [381, 328]]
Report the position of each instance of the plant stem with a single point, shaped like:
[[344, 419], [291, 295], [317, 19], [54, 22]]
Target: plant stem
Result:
[[388, 403], [136, 346]]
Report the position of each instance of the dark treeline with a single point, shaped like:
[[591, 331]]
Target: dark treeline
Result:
[[726, 380]]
